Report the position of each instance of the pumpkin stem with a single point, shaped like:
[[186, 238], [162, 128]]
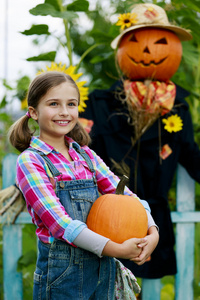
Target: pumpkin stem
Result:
[[121, 185]]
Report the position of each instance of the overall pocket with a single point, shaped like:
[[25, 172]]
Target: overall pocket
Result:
[[37, 284], [82, 201]]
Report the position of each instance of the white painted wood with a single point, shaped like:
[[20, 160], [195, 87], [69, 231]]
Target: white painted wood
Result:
[[12, 249], [151, 289], [185, 237], [24, 218], [12, 240], [185, 261], [185, 217], [9, 170]]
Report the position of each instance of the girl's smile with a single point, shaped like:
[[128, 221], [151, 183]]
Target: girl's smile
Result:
[[62, 123]]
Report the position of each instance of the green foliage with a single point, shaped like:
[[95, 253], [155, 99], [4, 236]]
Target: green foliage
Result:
[[168, 291], [22, 86], [54, 3], [49, 56], [48, 9], [27, 259], [3, 102], [26, 263], [78, 5], [37, 29], [5, 123]]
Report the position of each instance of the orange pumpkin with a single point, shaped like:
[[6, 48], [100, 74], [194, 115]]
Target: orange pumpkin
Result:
[[118, 217], [149, 53]]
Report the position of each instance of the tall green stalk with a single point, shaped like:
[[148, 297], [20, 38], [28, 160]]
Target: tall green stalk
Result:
[[67, 33], [196, 102]]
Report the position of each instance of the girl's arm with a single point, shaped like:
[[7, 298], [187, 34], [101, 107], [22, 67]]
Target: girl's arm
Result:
[[137, 250], [36, 183], [102, 246]]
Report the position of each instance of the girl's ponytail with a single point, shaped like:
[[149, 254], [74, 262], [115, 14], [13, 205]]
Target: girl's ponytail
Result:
[[20, 134], [79, 134]]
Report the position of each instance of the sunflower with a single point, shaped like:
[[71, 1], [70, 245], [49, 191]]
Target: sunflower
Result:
[[71, 72], [24, 104], [126, 20], [173, 123]]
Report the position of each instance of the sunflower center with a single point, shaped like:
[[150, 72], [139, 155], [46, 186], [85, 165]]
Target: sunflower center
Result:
[[171, 124], [126, 21]]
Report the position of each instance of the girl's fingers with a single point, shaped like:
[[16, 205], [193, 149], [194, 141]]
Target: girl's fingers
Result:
[[141, 245]]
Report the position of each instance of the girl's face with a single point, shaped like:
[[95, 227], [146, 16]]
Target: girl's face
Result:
[[57, 112]]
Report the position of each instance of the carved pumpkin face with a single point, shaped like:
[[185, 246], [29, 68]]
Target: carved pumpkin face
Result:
[[152, 53]]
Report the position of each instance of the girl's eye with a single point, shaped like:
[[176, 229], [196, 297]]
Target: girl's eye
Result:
[[73, 104], [53, 104]]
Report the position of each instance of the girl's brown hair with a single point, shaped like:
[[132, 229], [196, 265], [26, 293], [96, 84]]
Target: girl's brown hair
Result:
[[20, 134]]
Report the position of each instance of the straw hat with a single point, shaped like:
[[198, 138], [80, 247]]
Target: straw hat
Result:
[[151, 15]]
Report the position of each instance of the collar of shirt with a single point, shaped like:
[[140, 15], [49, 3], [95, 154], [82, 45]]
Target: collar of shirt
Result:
[[39, 145]]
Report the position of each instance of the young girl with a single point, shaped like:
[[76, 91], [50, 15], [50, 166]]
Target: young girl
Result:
[[60, 176]]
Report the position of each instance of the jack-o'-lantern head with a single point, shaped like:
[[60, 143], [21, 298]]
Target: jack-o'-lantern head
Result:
[[151, 53], [150, 47]]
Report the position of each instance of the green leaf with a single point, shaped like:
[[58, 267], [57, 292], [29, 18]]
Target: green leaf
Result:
[[37, 29], [194, 26], [49, 56], [101, 57], [101, 37], [78, 5], [47, 9], [7, 86], [22, 87], [190, 54], [26, 260], [3, 102], [23, 83], [193, 5], [54, 3]]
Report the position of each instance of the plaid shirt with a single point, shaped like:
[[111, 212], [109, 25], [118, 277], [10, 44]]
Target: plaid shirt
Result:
[[38, 187]]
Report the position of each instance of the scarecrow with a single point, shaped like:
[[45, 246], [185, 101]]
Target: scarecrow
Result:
[[142, 125]]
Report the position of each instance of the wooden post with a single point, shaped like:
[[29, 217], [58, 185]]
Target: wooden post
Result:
[[151, 289], [185, 236], [12, 240]]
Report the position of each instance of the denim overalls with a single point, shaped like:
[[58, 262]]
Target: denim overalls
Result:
[[63, 271]]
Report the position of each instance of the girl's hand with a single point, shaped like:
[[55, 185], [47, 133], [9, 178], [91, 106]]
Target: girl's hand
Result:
[[131, 248], [148, 247], [137, 250], [127, 250]]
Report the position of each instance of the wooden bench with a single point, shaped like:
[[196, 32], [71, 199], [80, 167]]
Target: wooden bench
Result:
[[185, 218]]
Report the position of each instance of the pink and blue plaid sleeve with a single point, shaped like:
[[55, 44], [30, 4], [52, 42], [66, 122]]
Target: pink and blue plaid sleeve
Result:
[[42, 202]]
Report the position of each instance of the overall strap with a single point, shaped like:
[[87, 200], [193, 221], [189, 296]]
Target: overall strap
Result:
[[85, 157], [54, 171]]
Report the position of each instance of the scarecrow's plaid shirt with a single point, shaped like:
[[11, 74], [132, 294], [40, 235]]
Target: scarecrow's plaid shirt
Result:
[[37, 184]]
